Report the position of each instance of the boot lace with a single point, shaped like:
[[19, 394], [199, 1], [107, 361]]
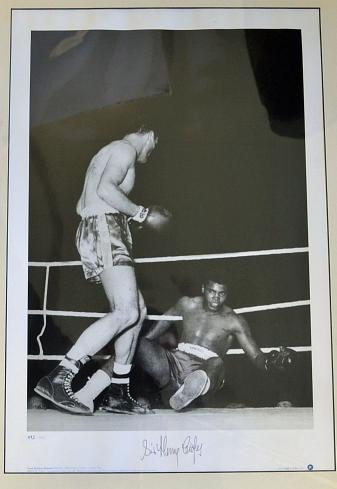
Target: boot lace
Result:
[[67, 385], [132, 398]]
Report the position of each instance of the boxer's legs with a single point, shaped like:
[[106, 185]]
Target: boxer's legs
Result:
[[124, 348], [206, 379], [153, 360], [120, 286], [119, 283], [215, 370], [194, 385]]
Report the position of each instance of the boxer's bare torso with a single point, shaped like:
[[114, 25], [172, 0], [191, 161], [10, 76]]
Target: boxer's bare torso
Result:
[[115, 162], [212, 330], [208, 322]]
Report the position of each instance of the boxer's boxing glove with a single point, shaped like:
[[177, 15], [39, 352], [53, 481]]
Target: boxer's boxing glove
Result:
[[155, 217], [280, 360]]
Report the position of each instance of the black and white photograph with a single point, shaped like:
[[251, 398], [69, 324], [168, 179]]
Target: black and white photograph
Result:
[[170, 260]]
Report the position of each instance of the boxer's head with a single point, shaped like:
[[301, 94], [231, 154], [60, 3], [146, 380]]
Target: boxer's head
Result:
[[144, 142], [215, 294], [148, 143]]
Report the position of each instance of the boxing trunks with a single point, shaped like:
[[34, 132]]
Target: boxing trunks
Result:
[[188, 357], [103, 241]]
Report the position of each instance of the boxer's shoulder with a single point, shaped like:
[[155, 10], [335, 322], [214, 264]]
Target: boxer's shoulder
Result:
[[117, 149], [190, 303]]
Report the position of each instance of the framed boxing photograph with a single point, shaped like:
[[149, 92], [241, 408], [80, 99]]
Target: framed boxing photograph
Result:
[[168, 278]]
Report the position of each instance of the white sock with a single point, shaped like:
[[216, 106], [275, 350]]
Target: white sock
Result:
[[76, 353], [122, 369], [120, 374], [95, 385]]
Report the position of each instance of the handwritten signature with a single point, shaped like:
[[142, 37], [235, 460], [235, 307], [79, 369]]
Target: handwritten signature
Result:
[[189, 446]]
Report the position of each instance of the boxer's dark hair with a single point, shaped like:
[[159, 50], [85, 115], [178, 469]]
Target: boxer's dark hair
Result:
[[217, 279], [143, 129]]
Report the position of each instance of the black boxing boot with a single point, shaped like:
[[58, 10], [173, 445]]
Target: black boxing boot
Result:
[[56, 387], [117, 399]]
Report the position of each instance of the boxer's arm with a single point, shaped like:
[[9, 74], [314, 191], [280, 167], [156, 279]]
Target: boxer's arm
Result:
[[274, 361], [159, 328], [113, 175], [248, 344], [163, 325]]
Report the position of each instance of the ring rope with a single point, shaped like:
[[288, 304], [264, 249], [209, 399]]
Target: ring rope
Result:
[[46, 312], [232, 351], [159, 259], [157, 317]]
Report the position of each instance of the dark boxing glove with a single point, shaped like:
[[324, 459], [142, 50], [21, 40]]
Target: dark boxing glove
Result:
[[280, 360], [154, 217]]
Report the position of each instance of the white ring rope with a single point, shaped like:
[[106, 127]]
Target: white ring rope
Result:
[[47, 312], [159, 259], [232, 351], [157, 317]]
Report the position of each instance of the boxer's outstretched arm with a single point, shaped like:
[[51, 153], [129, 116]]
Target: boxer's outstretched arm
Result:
[[117, 167], [163, 325], [248, 344]]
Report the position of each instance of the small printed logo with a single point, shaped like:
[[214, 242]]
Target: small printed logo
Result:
[[310, 467]]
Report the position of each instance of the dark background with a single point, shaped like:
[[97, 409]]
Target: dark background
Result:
[[230, 165]]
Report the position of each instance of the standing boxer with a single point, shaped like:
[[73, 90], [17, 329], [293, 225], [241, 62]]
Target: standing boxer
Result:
[[196, 366], [104, 243]]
